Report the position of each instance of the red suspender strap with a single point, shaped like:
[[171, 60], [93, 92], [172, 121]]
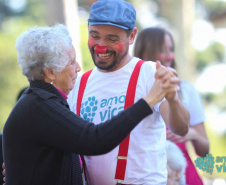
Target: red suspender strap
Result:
[[81, 90], [124, 146], [130, 96]]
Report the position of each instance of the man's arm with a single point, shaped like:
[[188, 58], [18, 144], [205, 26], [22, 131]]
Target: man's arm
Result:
[[173, 112], [176, 116]]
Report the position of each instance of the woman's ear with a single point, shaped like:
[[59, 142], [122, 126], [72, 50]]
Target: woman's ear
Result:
[[49, 75]]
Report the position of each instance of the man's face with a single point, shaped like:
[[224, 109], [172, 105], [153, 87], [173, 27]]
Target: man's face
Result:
[[108, 46]]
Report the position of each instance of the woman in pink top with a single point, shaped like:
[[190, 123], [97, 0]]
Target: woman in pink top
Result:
[[157, 44]]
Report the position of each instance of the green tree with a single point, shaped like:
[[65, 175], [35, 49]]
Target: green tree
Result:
[[11, 78]]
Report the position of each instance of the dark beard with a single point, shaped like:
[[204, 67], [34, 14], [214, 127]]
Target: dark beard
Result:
[[109, 66]]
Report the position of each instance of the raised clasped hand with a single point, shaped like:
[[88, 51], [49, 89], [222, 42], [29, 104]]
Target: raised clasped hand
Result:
[[168, 79]]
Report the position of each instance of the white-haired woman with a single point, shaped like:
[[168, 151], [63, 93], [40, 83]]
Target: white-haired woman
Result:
[[176, 164], [41, 133]]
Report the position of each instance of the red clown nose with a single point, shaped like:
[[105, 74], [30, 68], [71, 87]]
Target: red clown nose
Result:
[[100, 49], [172, 58]]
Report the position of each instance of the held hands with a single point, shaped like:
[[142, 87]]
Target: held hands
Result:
[[180, 139], [169, 80], [166, 85], [175, 138], [190, 136]]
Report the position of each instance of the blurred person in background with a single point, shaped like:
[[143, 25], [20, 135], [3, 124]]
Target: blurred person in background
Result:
[[176, 164], [41, 133], [153, 44]]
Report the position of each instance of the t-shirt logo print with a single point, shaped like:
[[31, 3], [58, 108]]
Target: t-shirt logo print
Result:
[[88, 108]]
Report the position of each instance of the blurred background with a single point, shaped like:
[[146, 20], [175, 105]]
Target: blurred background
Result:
[[199, 30]]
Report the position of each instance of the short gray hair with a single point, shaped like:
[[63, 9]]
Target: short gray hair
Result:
[[41, 48], [176, 160]]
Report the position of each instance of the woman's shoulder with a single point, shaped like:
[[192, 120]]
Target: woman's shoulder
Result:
[[187, 86]]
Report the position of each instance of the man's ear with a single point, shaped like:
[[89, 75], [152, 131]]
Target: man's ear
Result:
[[132, 36], [49, 75]]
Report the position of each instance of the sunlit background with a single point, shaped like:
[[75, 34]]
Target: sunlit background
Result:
[[199, 30]]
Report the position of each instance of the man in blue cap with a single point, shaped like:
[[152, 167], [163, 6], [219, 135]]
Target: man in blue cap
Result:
[[117, 81]]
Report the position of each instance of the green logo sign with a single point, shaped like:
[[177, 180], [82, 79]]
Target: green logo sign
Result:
[[207, 163]]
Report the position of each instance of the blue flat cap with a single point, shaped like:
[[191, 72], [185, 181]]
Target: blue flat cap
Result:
[[118, 13]]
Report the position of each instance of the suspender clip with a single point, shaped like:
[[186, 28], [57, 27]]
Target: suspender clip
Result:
[[122, 157], [118, 182]]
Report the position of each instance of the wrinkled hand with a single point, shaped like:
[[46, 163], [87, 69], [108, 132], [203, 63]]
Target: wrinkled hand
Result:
[[165, 85], [169, 79], [173, 71]]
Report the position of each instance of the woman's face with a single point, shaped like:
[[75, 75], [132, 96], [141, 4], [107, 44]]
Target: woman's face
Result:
[[166, 55], [65, 80]]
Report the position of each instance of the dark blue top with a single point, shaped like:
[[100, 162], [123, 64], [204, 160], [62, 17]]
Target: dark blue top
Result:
[[41, 133]]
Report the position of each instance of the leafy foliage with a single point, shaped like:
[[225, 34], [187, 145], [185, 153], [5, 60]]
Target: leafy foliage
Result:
[[212, 54], [86, 56], [213, 8], [11, 78]]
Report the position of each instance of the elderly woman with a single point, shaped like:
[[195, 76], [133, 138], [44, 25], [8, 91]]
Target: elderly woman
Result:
[[176, 164], [41, 133]]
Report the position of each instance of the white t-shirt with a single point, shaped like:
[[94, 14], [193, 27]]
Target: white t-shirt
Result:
[[193, 102], [103, 98]]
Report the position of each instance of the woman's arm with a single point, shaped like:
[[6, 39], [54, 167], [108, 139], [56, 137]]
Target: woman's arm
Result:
[[200, 140], [197, 135], [57, 126]]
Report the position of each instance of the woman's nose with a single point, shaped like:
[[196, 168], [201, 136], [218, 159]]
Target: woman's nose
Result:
[[168, 55], [77, 68]]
